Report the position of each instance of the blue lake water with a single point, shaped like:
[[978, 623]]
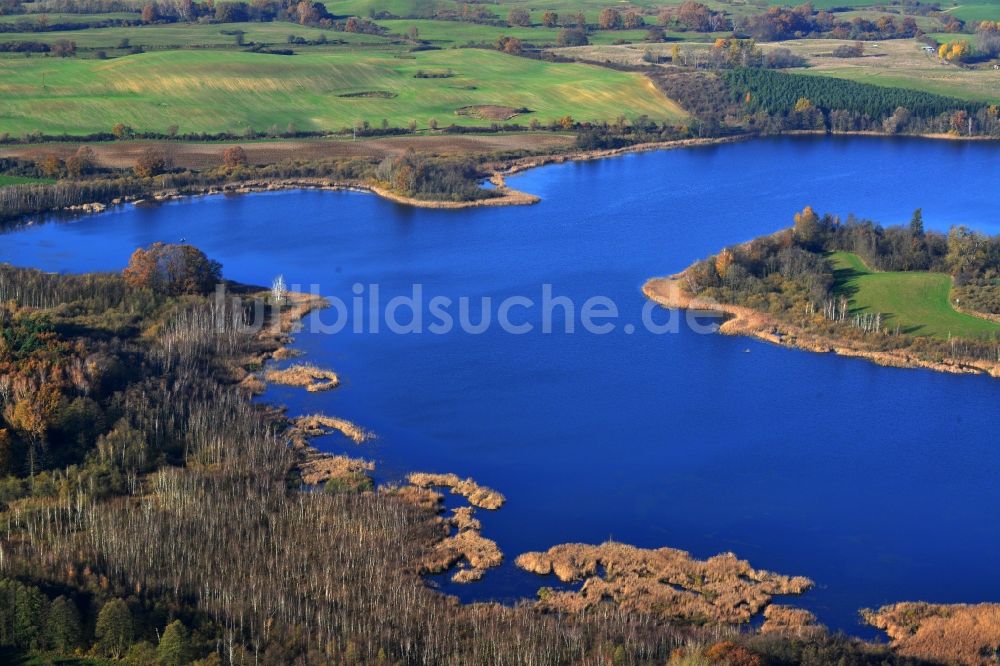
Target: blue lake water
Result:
[[880, 484]]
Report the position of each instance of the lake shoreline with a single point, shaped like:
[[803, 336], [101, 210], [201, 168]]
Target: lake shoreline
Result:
[[670, 293], [496, 173], [365, 208], [508, 196]]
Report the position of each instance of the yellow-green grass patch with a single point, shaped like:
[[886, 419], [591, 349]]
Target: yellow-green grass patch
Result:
[[973, 13], [427, 8], [56, 18], [216, 91], [178, 35], [21, 180], [450, 33], [919, 303]]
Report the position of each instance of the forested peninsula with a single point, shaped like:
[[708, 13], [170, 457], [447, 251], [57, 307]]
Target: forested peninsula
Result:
[[899, 296]]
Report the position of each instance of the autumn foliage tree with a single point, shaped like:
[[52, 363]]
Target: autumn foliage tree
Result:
[[519, 17], [82, 162], [511, 45], [234, 156], [52, 166], [172, 270], [954, 51], [151, 162], [633, 20], [807, 227], [988, 38], [63, 48], [609, 19], [122, 131], [572, 37], [149, 13]]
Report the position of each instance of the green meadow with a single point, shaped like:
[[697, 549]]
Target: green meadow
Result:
[[919, 303], [972, 85], [20, 180], [56, 17], [448, 33], [832, 4], [426, 8], [182, 35], [456, 33], [215, 91], [975, 12], [590, 8], [944, 37]]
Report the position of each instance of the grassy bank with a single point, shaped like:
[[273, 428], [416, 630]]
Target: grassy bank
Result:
[[190, 35], [20, 180], [917, 302]]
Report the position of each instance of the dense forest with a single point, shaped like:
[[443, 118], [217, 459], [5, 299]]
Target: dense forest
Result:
[[777, 92], [756, 100]]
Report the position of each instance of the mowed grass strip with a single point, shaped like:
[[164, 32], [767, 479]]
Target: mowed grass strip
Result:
[[215, 91], [590, 8], [455, 32], [21, 180], [56, 18], [458, 33], [918, 302], [973, 13], [178, 35]]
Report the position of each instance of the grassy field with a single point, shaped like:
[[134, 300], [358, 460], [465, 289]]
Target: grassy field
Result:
[[208, 154], [449, 33], [181, 35], [975, 12], [19, 180], [455, 33], [56, 17], [831, 4], [590, 8], [219, 91], [918, 303], [944, 37], [899, 63]]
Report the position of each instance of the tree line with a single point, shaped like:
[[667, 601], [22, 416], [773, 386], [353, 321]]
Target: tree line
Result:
[[779, 92]]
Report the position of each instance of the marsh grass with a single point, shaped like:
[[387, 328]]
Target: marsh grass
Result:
[[663, 581], [304, 375], [478, 496]]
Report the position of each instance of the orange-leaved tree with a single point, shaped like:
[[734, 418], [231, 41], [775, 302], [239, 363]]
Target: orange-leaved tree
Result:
[[172, 269], [234, 156]]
